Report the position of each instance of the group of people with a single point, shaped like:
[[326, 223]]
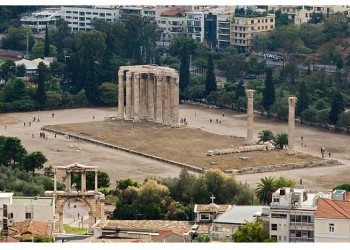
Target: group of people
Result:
[[217, 121], [184, 120], [323, 151]]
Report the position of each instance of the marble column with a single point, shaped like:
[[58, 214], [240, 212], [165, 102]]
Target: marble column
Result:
[[136, 97], [54, 181], [150, 97], [171, 96], [143, 96], [167, 99], [250, 115], [121, 94], [69, 182], [83, 181], [176, 102], [291, 125], [96, 184], [128, 96], [159, 95]]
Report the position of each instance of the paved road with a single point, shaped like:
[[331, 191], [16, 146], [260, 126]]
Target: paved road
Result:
[[61, 151]]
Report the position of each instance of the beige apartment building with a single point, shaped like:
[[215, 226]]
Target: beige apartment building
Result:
[[244, 29]]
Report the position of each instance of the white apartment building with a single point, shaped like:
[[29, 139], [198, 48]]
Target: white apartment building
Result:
[[195, 25], [5, 198], [292, 215], [28, 208], [332, 218], [80, 18], [37, 21], [173, 23], [126, 11], [150, 12]]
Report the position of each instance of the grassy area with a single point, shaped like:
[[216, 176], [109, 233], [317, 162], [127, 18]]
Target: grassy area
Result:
[[74, 230], [185, 144]]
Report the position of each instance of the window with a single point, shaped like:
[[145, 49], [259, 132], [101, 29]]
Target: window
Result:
[[251, 21], [82, 13], [205, 216], [28, 215], [102, 14], [276, 200], [274, 227], [331, 228], [10, 216], [88, 13]]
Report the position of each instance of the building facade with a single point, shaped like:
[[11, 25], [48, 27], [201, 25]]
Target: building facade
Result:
[[292, 215], [79, 18], [332, 218], [244, 29], [37, 21], [195, 25]]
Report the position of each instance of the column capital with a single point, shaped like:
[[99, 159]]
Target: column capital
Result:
[[159, 77], [120, 72], [292, 100], [137, 75], [250, 93], [128, 74]]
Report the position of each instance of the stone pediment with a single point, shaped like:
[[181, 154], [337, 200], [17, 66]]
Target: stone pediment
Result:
[[77, 167]]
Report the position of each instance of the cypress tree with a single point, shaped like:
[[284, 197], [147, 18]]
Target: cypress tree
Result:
[[240, 90], [210, 82], [337, 108], [47, 43], [91, 84], [43, 75], [184, 74], [269, 92]]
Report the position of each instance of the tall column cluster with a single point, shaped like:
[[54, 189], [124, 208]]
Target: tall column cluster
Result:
[[151, 93]]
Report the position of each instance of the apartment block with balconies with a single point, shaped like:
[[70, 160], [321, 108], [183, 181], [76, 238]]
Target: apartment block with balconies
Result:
[[292, 215], [245, 28], [80, 18]]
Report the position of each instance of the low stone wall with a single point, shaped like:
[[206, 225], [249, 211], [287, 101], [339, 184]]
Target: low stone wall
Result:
[[282, 167]]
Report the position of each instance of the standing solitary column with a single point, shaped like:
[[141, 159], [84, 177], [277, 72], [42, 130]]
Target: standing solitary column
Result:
[[136, 97], [69, 181], [128, 96], [159, 118], [291, 125], [121, 94], [250, 115]]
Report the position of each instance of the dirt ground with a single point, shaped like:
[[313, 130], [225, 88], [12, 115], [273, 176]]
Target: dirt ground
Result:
[[61, 151]]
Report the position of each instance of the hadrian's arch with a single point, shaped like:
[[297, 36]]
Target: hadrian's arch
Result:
[[151, 94], [93, 199]]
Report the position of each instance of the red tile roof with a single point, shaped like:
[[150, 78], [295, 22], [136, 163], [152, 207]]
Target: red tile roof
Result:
[[333, 209], [173, 12], [34, 227], [164, 233]]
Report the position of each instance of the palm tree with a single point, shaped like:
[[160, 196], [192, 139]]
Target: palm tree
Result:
[[281, 140], [266, 135], [265, 190]]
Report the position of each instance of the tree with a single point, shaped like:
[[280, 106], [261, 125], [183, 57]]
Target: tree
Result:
[[344, 186], [251, 232], [16, 39], [108, 93], [303, 101], [8, 70], [266, 135], [337, 108], [269, 92], [281, 140], [47, 43], [38, 50], [183, 47], [344, 121], [240, 90], [203, 238], [103, 180], [210, 82], [284, 182], [11, 150], [125, 183], [43, 75], [14, 90], [265, 188], [91, 84], [33, 161]]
